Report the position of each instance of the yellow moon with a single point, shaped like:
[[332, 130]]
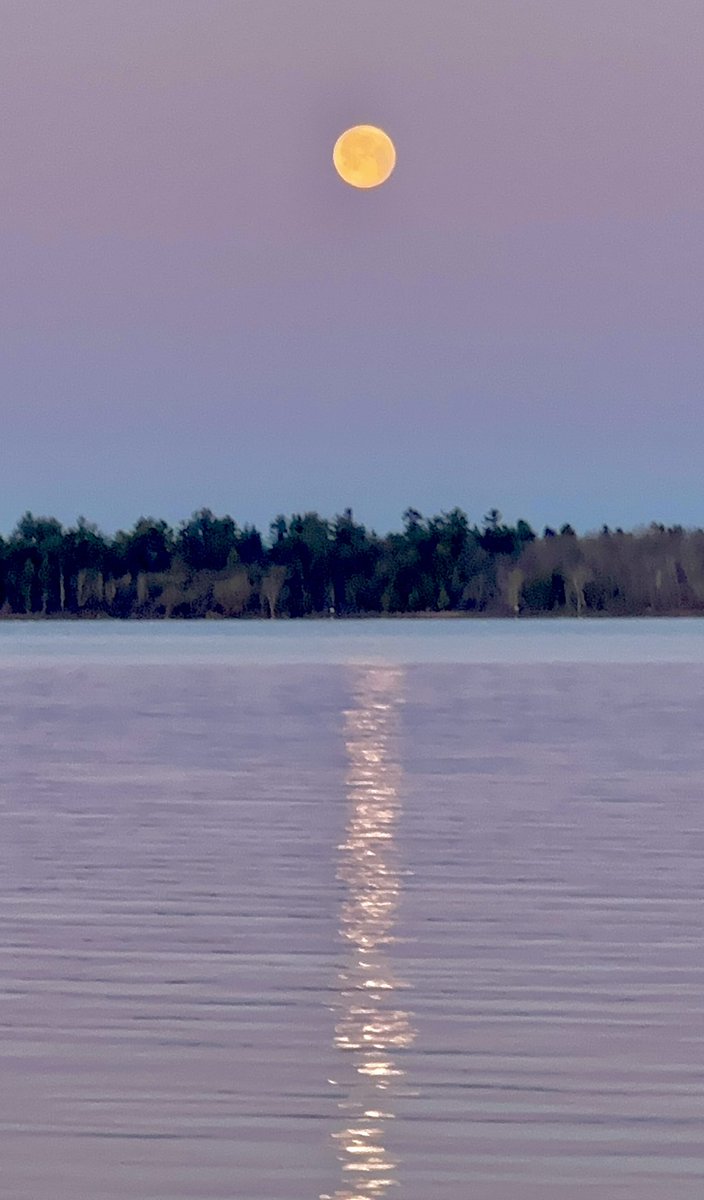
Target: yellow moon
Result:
[[364, 156]]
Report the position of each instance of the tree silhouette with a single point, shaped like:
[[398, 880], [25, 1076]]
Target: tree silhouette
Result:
[[308, 565]]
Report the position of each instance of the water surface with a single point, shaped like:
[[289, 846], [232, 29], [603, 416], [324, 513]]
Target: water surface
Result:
[[413, 910], [400, 641]]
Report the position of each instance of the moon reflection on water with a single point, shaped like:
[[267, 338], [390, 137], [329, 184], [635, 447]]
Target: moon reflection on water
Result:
[[370, 1028]]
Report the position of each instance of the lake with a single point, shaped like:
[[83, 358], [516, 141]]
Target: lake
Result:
[[352, 910]]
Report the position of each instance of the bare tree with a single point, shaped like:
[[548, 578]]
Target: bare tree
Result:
[[271, 586], [233, 593], [511, 579]]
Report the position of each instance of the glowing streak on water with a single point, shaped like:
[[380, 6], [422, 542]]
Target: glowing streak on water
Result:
[[369, 1027]]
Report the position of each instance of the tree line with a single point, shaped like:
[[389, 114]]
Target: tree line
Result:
[[209, 566]]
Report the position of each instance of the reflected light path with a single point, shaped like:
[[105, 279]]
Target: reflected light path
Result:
[[371, 1029]]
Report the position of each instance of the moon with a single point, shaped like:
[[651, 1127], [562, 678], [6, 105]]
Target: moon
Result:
[[364, 156]]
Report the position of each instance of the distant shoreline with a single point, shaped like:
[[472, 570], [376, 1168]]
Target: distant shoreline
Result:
[[312, 568], [322, 618]]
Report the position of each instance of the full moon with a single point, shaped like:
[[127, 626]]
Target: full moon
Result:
[[364, 156]]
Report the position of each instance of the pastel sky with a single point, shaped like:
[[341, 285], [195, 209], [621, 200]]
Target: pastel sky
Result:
[[196, 311]]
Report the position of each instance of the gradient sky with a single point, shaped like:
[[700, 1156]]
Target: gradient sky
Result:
[[196, 311]]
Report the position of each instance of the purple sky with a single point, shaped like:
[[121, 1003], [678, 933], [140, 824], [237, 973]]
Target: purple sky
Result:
[[196, 311]]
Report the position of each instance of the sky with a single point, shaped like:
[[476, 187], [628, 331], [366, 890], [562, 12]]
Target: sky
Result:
[[196, 311]]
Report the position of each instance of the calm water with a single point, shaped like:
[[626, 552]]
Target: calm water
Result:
[[352, 910]]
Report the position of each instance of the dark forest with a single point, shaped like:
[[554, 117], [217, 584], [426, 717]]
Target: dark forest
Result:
[[308, 566]]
